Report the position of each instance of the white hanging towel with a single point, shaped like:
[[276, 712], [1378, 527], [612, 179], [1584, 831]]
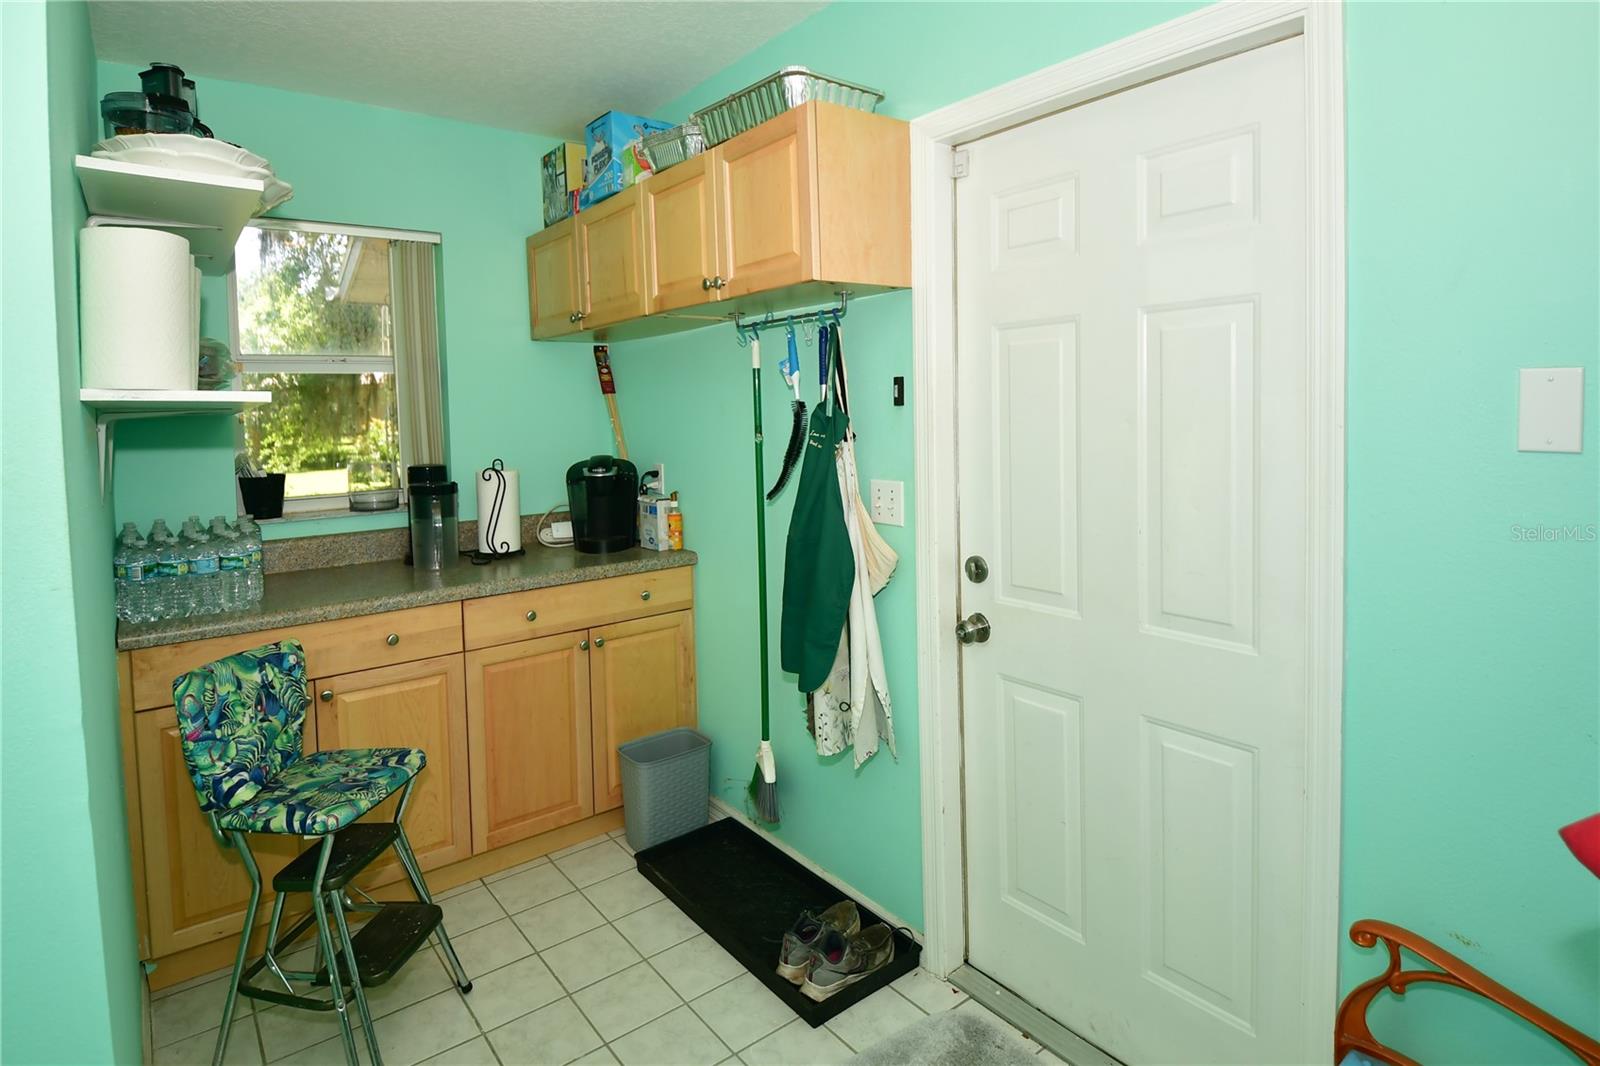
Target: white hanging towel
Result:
[[871, 715]]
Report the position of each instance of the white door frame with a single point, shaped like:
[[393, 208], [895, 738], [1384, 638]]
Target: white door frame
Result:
[[1211, 33]]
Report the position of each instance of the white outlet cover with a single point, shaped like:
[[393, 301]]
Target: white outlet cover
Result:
[[886, 503], [1550, 409]]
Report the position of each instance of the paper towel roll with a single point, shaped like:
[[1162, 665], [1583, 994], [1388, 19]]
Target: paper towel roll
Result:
[[136, 309], [499, 510]]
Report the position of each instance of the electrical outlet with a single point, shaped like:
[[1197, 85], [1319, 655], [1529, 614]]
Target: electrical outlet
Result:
[[887, 509]]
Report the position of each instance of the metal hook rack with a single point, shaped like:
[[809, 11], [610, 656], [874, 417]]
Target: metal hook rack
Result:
[[746, 331]]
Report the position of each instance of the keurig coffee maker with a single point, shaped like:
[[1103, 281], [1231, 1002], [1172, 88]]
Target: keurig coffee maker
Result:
[[603, 492]]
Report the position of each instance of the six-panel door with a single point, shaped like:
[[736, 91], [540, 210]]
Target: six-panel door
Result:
[[414, 705], [611, 252], [766, 205], [196, 889], [641, 681], [681, 242], [555, 287]]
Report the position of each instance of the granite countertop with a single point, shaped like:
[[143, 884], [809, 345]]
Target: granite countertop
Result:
[[304, 596]]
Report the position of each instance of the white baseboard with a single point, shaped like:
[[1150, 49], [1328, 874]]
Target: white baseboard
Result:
[[730, 811]]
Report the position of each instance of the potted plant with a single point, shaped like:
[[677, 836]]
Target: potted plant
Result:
[[261, 492]]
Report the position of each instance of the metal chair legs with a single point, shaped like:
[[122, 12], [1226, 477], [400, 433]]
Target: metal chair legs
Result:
[[232, 999], [408, 859]]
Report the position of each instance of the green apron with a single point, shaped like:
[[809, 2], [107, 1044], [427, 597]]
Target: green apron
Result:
[[819, 566]]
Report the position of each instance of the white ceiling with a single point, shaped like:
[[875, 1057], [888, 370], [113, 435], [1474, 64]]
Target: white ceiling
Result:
[[543, 66]]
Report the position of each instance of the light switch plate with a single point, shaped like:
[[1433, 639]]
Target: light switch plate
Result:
[[1550, 409], [886, 503]]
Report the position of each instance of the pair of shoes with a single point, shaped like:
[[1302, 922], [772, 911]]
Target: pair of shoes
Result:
[[844, 960], [799, 952]]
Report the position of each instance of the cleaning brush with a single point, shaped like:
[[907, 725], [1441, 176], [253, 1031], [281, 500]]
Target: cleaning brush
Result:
[[789, 367]]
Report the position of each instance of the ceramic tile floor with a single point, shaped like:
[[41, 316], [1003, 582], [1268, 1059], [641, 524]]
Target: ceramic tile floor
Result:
[[575, 958]]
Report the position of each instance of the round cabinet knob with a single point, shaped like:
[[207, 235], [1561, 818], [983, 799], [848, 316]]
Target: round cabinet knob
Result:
[[392, 639], [531, 615], [599, 642], [579, 316], [583, 645], [705, 284], [327, 695], [645, 595], [718, 282]]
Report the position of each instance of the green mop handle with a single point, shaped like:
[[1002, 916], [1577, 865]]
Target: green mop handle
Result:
[[761, 531]]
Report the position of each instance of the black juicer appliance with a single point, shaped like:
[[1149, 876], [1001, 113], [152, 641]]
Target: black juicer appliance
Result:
[[603, 492]]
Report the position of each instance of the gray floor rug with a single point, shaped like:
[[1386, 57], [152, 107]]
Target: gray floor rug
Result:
[[954, 1038]]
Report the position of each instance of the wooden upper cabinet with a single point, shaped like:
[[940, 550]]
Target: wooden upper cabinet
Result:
[[766, 205], [555, 281], [414, 705], [641, 681], [195, 888], [681, 235], [528, 726], [611, 251]]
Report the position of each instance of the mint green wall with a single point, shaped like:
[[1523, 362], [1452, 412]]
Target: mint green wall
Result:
[[530, 404], [1473, 690], [67, 935]]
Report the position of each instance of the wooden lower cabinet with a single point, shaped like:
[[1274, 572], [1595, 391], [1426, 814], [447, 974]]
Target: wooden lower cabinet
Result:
[[528, 724], [641, 681], [413, 705], [196, 889]]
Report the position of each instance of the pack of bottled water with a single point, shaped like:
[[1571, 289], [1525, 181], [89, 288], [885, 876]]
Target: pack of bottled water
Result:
[[198, 570]]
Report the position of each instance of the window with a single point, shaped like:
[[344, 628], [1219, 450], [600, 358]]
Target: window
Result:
[[315, 323]]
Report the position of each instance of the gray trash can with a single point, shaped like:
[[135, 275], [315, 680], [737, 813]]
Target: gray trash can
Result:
[[666, 785]]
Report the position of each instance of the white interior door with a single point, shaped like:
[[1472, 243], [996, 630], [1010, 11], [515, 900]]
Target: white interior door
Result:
[[1131, 290]]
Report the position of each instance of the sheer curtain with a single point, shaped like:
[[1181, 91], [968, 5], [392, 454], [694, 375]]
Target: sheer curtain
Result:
[[416, 351]]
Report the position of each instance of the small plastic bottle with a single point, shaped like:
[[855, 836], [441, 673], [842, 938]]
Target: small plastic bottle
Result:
[[233, 560], [203, 564], [128, 565], [674, 524], [169, 594], [254, 582]]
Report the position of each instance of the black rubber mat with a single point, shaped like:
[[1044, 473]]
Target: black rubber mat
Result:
[[745, 893]]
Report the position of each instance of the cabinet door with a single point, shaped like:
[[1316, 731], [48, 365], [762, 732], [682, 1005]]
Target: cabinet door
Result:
[[681, 235], [554, 281], [195, 888], [611, 251], [766, 205], [414, 705], [528, 730], [641, 679]]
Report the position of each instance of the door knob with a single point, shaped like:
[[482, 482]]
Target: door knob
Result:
[[599, 642], [327, 695], [977, 569], [973, 629]]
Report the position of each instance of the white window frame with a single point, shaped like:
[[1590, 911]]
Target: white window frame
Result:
[[335, 503]]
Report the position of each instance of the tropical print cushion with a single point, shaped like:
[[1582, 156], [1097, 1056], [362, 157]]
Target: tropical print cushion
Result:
[[325, 791], [240, 719]]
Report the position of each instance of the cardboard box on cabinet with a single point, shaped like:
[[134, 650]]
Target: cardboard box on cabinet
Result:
[[614, 162]]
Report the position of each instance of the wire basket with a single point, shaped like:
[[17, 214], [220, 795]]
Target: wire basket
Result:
[[775, 94], [668, 148]]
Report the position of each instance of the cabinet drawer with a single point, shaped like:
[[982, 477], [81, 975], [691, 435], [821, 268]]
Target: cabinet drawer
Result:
[[331, 647], [563, 608]]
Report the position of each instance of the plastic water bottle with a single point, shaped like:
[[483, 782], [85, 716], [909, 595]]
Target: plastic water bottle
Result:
[[204, 567], [255, 577], [169, 592], [233, 562], [128, 566]]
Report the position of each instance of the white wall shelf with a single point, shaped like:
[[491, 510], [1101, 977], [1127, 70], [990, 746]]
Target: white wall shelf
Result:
[[118, 405], [208, 210]]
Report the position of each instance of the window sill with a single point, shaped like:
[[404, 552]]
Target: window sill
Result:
[[332, 520]]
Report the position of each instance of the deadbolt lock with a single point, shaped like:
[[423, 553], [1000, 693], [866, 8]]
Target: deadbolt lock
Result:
[[977, 569]]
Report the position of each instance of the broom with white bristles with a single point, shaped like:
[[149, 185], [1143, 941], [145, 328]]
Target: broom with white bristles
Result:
[[764, 782]]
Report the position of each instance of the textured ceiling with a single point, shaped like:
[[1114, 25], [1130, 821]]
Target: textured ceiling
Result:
[[544, 66]]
